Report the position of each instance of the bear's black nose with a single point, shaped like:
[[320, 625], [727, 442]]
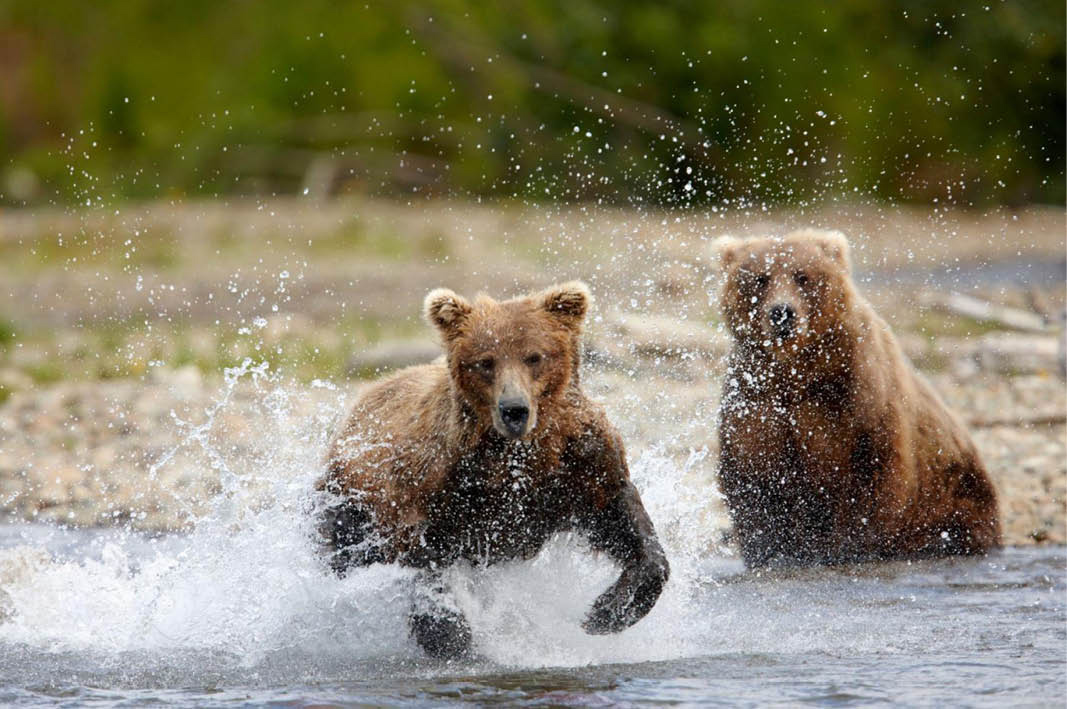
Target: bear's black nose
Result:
[[514, 415], [783, 317]]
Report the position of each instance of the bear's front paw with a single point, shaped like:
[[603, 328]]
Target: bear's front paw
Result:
[[627, 601], [605, 617], [443, 635]]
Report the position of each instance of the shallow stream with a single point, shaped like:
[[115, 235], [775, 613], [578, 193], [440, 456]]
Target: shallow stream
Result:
[[242, 610]]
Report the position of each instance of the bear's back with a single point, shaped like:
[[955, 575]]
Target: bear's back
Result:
[[395, 440]]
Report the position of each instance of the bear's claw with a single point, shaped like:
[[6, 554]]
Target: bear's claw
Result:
[[627, 601]]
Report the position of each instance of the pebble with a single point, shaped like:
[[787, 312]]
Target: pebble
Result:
[[391, 355], [81, 452]]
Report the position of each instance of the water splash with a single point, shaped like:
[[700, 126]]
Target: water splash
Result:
[[245, 597], [247, 581]]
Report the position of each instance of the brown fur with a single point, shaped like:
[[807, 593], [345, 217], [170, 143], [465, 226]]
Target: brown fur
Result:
[[833, 448], [427, 471]]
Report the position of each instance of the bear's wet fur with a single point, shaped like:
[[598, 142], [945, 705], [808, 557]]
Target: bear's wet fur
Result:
[[482, 456], [833, 449]]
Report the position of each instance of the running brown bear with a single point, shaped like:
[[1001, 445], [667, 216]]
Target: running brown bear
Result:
[[482, 456]]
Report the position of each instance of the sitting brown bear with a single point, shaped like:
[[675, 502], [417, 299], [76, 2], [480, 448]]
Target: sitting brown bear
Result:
[[483, 455], [832, 448]]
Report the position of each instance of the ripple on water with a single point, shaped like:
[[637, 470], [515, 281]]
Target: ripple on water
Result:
[[242, 610]]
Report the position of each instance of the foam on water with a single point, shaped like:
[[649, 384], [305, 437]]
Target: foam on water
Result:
[[246, 590], [247, 580]]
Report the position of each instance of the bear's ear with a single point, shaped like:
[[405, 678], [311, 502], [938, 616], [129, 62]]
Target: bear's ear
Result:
[[835, 245], [445, 310], [726, 249], [568, 301]]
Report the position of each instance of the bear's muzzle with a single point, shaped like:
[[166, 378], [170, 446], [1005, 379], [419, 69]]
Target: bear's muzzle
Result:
[[783, 319], [513, 415]]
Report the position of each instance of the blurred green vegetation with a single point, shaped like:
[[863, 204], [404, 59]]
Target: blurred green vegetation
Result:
[[623, 101], [124, 349], [112, 245]]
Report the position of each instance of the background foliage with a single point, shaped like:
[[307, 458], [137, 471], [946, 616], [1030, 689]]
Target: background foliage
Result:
[[624, 101]]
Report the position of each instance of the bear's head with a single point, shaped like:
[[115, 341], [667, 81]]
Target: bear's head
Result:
[[511, 360], [780, 295]]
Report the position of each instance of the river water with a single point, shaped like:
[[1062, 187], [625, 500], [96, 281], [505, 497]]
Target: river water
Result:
[[119, 619], [240, 610]]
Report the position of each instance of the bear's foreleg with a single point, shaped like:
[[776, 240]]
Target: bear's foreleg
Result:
[[349, 535], [755, 533], [624, 531], [437, 626]]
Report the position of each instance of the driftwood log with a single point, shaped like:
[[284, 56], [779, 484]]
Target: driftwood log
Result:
[[968, 306]]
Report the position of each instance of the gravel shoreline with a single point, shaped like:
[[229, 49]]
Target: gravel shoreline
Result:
[[111, 361], [146, 453]]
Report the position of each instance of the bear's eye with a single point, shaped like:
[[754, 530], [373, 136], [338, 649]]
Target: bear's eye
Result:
[[485, 366], [800, 278], [762, 280], [533, 360]]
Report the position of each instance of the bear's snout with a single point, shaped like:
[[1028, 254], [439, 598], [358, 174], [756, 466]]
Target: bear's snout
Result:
[[783, 318], [514, 415]]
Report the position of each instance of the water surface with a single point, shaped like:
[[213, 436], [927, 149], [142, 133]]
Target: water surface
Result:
[[241, 610], [98, 623]]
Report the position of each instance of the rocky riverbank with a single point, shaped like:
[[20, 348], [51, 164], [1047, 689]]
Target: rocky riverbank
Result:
[[114, 409], [153, 453]]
